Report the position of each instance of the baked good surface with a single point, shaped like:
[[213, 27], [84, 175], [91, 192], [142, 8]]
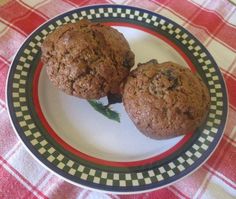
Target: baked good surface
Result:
[[165, 100], [86, 59]]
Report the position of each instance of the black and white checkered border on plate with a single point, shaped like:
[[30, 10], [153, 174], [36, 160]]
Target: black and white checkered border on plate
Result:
[[119, 179]]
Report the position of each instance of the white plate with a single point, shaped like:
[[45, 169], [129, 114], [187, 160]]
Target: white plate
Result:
[[72, 139]]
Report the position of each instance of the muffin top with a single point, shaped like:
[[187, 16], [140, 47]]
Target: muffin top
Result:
[[86, 59], [165, 100]]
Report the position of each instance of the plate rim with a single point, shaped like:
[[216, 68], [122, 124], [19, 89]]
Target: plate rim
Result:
[[30, 147]]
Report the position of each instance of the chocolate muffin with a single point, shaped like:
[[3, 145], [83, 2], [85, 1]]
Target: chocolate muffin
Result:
[[165, 100], [86, 59]]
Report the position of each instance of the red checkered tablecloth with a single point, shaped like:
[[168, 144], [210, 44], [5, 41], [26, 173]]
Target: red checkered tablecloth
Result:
[[213, 22]]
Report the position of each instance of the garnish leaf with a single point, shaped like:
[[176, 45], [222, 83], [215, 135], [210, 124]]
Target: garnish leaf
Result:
[[105, 110]]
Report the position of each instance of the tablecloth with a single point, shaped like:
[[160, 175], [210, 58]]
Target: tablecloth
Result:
[[213, 22]]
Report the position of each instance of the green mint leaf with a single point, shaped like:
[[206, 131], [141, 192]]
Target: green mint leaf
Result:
[[106, 111]]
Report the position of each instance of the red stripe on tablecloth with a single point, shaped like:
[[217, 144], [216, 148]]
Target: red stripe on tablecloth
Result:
[[33, 9], [193, 180], [198, 28], [209, 21], [38, 183], [33, 188], [231, 87], [31, 24], [10, 187], [215, 173], [220, 30], [216, 12], [88, 2], [178, 192], [145, 4], [164, 193], [223, 161], [56, 7], [71, 3], [229, 73], [232, 78], [215, 159], [65, 190], [25, 19], [3, 77], [2, 105], [13, 149], [230, 139], [3, 63], [227, 164], [10, 42], [203, 186], [8, 24], [230, 128], [4, 60], [6, 131]]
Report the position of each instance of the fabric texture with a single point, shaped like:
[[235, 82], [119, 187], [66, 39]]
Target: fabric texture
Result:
[[212, 22]]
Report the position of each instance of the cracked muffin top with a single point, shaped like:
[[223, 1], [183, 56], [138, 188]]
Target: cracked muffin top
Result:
[[165, 100], [87, 60]]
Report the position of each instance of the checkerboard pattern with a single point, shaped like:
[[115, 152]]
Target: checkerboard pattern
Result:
[[212, 22], [83, 172]]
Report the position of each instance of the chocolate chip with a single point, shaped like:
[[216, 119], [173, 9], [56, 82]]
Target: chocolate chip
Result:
[[178, 111], [174, 85], [188, 114]]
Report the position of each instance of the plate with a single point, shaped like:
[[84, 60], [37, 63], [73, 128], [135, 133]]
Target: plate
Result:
[[86, 148]]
